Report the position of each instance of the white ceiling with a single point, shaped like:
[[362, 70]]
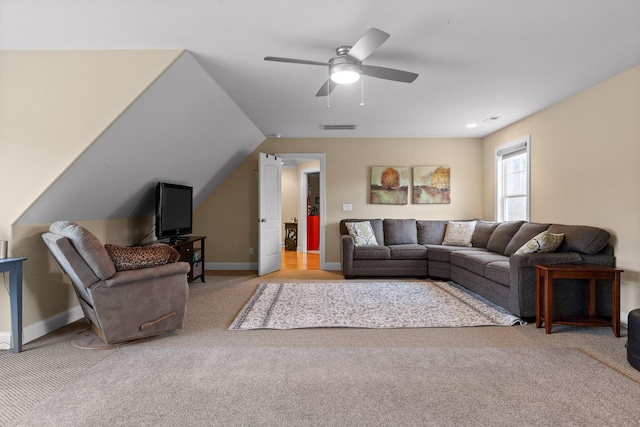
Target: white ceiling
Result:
[[476, 59]]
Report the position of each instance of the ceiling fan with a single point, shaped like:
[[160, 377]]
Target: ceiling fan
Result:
[[346, 67]]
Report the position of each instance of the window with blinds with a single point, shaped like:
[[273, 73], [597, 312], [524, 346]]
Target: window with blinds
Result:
[[512, 180]]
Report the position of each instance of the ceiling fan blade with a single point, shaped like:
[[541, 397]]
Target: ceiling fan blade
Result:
[[295, 61], [326, 89], [368, 43], [388, 73]]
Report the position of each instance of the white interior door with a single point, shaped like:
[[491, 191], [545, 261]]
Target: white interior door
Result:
[[269, 214]]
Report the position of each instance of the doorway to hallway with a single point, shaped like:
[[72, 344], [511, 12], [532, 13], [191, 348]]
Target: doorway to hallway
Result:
[[303, 203]]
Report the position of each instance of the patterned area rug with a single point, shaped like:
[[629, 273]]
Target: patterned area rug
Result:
[[368, 305]]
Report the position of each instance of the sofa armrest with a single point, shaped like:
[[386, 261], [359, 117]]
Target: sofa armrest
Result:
[[523, 278], [606, 260], [131, 276], [347, 246], [530, 260]]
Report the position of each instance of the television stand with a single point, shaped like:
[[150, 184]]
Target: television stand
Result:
[[175, 240], [191, 249]]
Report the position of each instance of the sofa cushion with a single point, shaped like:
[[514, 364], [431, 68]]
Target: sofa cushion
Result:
[[581, 238], [475, 261], [442, 253], [136, 257], [499, 271], [431, 232], [376, 225], [482, 233], [409, 251], [88, 246], [459, 233], [362, 233], [502, 235], [400, 231], [542, 243], [371, 252], [525, 233]]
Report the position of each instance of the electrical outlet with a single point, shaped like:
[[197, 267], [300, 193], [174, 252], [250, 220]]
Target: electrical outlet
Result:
[[250, 251], [346, 207]]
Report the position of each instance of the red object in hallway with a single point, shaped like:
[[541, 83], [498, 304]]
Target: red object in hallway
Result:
[[313, 232]]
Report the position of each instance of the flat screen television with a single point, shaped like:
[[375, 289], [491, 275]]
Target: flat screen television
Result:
[[174, 211]]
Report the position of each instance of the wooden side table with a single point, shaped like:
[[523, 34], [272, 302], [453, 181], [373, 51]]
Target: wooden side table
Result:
[[545, 274], [291, 236]]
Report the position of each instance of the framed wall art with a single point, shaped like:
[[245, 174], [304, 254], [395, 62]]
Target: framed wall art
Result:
[[389, 185], [431, 184]]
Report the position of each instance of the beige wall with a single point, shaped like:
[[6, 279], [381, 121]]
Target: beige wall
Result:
[[54, 105], [585, 167], [230, 213]]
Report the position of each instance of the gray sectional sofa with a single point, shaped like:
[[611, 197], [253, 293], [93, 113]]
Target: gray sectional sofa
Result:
[[490, 267]]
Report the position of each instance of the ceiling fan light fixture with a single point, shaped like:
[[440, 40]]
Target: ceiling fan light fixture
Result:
[[345, 73]]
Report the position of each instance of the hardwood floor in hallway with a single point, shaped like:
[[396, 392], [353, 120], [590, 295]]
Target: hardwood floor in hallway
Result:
[[294, 260]]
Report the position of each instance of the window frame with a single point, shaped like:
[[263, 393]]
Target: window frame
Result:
[[506, 150]]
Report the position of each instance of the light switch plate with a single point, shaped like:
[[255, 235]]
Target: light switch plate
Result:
[[346, 207]]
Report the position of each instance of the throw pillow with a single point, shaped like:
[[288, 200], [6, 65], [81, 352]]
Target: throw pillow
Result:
[[459, 233], [542, 243], [362, 233], [137, 257]]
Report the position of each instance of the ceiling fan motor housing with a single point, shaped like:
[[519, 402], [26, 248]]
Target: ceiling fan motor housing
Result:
[[343, 50], [344, 69]]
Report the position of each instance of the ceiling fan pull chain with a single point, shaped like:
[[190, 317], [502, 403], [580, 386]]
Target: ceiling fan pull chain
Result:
[[361, 90], [328, 92]]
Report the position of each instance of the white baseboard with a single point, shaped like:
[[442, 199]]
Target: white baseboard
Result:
[[5, 340], [43, 327], [624, 319], [231, 266], [332, 266]]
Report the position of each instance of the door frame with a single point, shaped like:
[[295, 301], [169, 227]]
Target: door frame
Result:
[[323, 197]]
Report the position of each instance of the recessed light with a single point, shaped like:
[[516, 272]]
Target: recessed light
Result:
[[471, 125]]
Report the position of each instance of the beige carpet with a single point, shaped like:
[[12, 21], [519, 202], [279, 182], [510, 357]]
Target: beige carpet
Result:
[[50, 367], [343, 387]]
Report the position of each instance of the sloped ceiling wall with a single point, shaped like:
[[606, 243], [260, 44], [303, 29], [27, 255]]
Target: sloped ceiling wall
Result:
[[183, 129]]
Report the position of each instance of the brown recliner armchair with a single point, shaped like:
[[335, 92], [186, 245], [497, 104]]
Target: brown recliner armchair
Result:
[[120, 305]]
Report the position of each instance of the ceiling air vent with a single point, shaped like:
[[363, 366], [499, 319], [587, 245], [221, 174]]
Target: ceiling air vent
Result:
[[339, 127]]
